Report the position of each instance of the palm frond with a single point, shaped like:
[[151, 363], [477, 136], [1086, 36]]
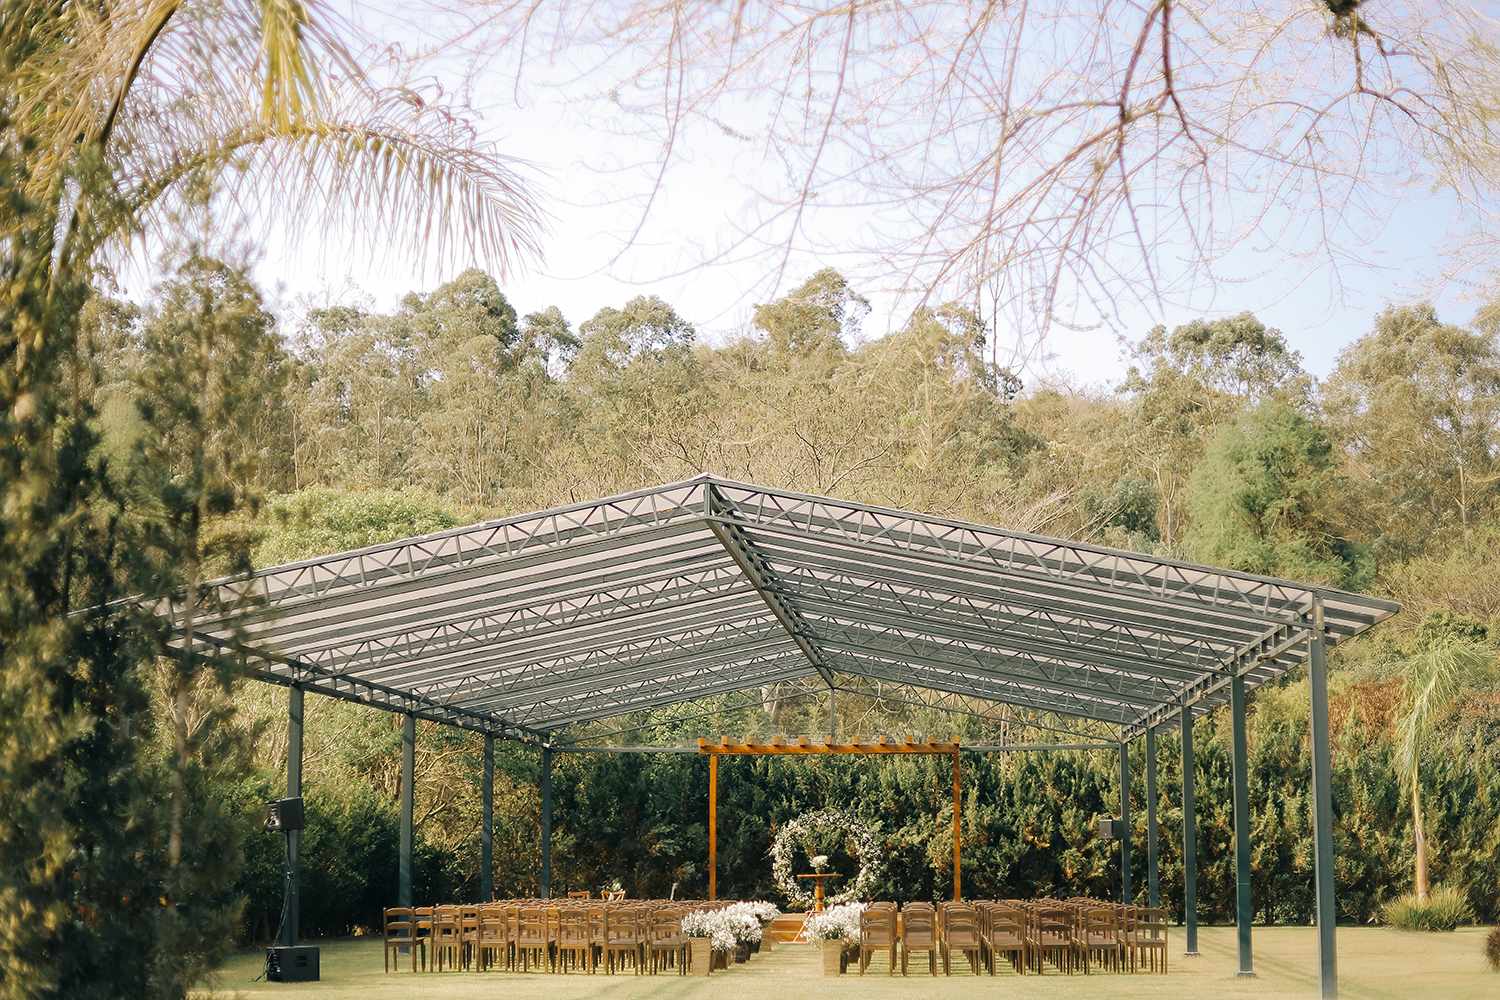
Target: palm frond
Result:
[[260, 99], [384, 173], [1435, 677]]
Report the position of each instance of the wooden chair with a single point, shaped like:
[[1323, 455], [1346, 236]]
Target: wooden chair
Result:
[[581, 894], [877, 931], [622, 939], [919, 932], [597, 939], [1147, 935], [572, 940], [494, 938], [960, 932], [468, 936], [668, 945], [422, 916], [447, 941], [1100, 938], [533, 942], [1007, 936], [1052, 938], [401, 932]]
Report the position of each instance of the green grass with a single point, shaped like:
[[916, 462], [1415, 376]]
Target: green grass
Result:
[[1375, 963]]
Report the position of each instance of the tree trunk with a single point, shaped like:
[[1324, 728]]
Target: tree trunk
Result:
[[1424, 885]]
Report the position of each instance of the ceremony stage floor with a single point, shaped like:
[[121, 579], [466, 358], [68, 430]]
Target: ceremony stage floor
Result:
[[1375, 963]]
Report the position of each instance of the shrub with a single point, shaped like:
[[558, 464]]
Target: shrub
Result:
[[1492, 949], [1446, 908]]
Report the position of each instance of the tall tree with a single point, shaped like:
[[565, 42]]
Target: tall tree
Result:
[[1268, 497], [1194, 379], [1416, 405]]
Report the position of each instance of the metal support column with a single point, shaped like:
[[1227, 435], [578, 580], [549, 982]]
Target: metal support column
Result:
[[1322, 775], [1125, 822], [1243, 910], [833, 720], [1153, 897], [293, 837], [545, 890], [408, 797], [1189, 838], [487, 825], [713, 824]]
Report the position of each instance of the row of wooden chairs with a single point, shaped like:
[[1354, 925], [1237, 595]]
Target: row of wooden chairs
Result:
[[520, 936], [940, 931], [1077, 934]]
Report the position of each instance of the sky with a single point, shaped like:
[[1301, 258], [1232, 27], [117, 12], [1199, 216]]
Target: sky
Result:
[[592, 180]]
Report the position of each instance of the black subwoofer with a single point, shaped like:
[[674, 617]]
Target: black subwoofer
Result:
[[292, 965]]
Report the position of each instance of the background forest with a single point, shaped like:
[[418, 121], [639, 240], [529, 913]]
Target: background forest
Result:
[[356, 426]]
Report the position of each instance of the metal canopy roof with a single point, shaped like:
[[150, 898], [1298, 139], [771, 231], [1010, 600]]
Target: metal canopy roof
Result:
[[522, 626]]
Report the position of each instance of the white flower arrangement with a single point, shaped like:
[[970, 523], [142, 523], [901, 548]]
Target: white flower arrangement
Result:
[[730, 926], [837, 923], [816, 828]]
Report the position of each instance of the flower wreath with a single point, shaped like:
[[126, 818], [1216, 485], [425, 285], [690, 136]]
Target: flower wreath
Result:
[[815, 826]]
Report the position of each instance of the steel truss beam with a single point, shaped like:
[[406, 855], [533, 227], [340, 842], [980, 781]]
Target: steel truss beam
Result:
[[763, 579], [522, 626]]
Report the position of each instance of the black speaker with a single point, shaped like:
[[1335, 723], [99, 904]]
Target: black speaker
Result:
[[284, 814], [1111, 829], [292, 965]]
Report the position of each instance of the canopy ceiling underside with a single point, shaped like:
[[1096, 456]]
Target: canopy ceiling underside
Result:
[[522, 626]]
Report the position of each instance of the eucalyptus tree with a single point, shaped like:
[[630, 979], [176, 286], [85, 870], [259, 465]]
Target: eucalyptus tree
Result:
[[1416, 406], [642, 396], [116, 120], [1191, 381], [1269, 497]]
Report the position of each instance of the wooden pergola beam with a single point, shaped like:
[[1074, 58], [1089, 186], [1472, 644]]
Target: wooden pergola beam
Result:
[[886, 745]]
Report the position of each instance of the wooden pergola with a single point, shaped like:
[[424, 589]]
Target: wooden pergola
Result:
[[779, 747]]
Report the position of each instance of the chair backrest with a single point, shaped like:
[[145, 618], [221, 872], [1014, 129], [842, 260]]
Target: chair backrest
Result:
[[572, 925], [422, 917], [877, 926], [1054, 925], [532, 924], [666, 925], [1150, 924], [494, 928], [622, 925], [919, 926], [399, 924], [581, 894], [961, 925], [1007, 925]]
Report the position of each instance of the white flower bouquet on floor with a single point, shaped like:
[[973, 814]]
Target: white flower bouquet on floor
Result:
[[837, 923]]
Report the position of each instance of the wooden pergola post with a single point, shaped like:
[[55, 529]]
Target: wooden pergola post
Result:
[[713, 826], [957, 805]]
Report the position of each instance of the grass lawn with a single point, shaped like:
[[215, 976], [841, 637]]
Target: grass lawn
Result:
[[1375, 963]]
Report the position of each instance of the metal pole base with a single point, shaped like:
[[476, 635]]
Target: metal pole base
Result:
[[1242, 974], [1192, 954]]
